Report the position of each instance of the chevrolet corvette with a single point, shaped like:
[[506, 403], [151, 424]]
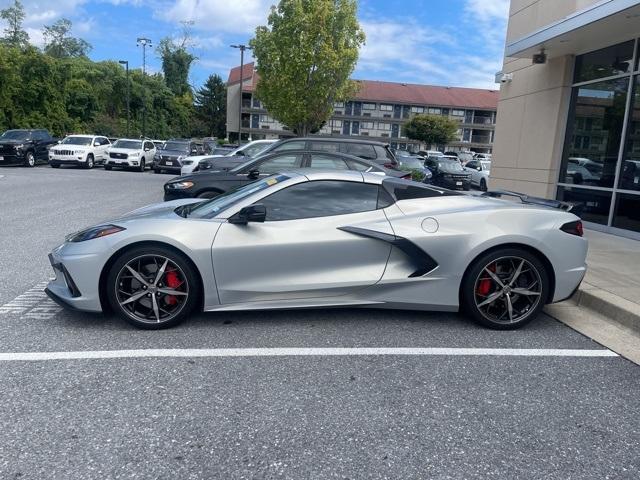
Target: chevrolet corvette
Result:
[[316, 239]]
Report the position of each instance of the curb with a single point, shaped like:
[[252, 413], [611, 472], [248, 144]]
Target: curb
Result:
[[609, 305]]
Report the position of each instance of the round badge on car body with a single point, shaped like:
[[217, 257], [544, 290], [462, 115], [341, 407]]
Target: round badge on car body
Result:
[[430, 225]]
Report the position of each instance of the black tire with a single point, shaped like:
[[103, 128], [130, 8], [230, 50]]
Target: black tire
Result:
[[89, 164], [470, 293], [142, 165], [186, 270], [107, 167], [483, 185], [29, 159]]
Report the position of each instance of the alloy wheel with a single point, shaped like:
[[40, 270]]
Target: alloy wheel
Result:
[[508, 290], [31, 160], [151, 289]]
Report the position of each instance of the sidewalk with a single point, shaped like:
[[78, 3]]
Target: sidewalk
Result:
[[607, 306]]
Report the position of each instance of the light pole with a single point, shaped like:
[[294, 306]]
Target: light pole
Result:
[[242, 49], [145, 42], [126, 64]]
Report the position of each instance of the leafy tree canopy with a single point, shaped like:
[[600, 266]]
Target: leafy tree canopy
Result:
[[176, 62], [14, 35], [305, 57], [431, 129], [59, 43]]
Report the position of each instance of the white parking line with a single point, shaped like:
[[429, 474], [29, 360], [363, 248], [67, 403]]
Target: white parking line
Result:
[[301, 352], [33, 303]]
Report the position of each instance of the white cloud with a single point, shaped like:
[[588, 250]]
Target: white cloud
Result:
[[232, 16], [488, 10]]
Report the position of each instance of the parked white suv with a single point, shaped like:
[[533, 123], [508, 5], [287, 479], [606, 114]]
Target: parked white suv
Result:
[[79, 150], [480, 170], [249, 150], [130, 153]]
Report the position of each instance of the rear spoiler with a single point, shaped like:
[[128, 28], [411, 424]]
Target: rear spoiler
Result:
[[545, 202]]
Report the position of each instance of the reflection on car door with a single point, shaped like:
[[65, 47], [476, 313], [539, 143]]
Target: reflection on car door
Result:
[[299, 251]]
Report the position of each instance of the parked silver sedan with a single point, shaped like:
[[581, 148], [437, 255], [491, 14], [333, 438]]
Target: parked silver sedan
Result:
[[312, 238]]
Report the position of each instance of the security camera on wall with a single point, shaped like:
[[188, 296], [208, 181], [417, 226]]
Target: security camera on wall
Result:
[[539, 58], [506, 77]]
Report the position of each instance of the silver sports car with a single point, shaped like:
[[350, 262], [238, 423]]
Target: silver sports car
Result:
[[315, 239]]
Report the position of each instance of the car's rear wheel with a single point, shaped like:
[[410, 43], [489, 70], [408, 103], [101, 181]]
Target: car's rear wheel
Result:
[[505, 289], [153, 287]]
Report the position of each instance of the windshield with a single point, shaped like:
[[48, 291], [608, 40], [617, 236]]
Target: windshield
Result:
[[412, 162], [132, 144], [450, 166], [180, 146], [77, 141], [211, 208], [16, 135]]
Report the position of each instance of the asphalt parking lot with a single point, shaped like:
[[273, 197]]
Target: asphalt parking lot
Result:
[[268, 394]]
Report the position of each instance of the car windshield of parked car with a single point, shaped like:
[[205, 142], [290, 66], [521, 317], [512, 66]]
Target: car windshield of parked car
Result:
[[77, 141], [450, 166], [131, 144], [180, 146], [211, 208], [16, 135]]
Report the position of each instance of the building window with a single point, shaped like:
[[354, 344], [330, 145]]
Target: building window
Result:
[[417, 109], [457, 113], [368, 106], [434, 111], [367, 125], [335, 123], [384, 126], [610, 61], [256, 103], [338, 104], [386, 108], [266, 119]]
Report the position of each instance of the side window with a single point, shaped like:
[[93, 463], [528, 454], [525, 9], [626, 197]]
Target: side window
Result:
[[253, 150], [39, 135], [324, 146], [148, 145], [295, 145], [472, 164], [279, 163], [327, 161], [383, 153], [360, 167], [322, 198], [360, 150]]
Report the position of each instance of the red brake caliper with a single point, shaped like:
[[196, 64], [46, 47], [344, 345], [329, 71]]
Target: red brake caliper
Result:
[[484, 286], [173, 281]]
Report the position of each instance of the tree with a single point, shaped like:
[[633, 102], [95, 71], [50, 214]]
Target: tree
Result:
[[59, 44], [305, 57], [211, 106], [176, 62], [431, 129], [14, 35]]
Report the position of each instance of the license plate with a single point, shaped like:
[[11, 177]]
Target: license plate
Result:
[[459, 184], [168, 163]]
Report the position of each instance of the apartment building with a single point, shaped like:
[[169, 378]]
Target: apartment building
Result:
[[569, 109], [378, 112]]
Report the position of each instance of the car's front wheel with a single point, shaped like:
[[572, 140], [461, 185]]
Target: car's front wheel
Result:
[[153, 287], [142, 165], [483, 185], [505, 288], [90, 162], [29, 159]]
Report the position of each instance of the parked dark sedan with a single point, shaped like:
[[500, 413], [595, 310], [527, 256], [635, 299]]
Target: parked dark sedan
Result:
[[209, 184], [448, 173], [25, 147]]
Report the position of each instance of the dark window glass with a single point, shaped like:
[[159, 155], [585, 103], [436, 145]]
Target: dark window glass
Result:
[[327, 161], [361, 167], [320, 199], [600, 106], [630, 173], [295, 145], [324, 146], [278, 163], [627, 214], [355, 128], [407, 190], [361, 150], [592, 205], [607, 62]]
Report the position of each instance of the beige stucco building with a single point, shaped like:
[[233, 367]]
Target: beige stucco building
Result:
[[568, 123]]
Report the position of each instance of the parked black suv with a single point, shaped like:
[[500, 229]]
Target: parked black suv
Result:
[[448, 173], [173, 152], [25, 147]]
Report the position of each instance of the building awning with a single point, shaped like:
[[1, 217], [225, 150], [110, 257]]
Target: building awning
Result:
[[605, 23]]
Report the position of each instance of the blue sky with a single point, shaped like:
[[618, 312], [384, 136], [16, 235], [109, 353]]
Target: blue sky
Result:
[[440, 42]]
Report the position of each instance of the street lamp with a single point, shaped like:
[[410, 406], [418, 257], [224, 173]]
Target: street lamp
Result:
[[126, 64], [242, 49], [145, 42]]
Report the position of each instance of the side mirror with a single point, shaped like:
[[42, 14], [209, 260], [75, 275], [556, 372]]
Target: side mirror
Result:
[[252, 213], [253, 174]]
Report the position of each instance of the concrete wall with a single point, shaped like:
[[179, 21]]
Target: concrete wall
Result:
[[533, 107]]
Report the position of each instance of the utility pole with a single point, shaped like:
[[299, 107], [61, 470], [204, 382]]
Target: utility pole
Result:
[[242, 49], [126, 63], [145, 42]]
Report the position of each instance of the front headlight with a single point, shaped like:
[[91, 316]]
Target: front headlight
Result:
[[185, 184], [134, 154], [93, 232]]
